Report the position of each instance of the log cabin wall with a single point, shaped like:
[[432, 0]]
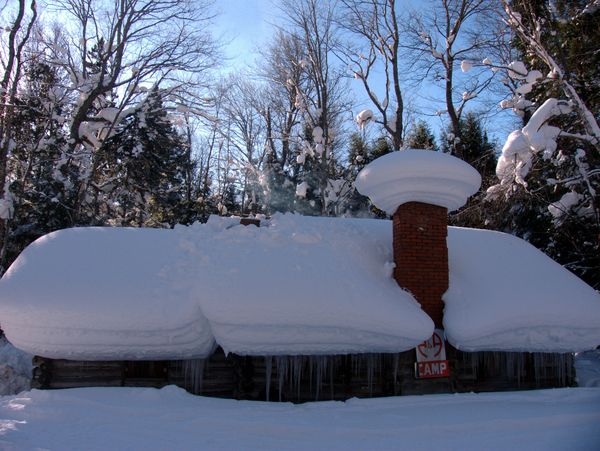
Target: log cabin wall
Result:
[[311, 378]]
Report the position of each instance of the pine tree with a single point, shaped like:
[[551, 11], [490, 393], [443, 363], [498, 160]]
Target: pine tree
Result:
[[146, 163], [229, 203], [358, 153], [380, 147], [280, 189], [40, 187], [421, 137], [479, 152], [358, 157]]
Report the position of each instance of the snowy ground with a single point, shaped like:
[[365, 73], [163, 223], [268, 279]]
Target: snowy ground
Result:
[[171, 419], [587, 366]]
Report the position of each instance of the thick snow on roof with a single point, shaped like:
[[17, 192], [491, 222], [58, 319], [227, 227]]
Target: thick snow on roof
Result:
[[297, 285], [418, 176], [507, 295], [103, 293], [305, 285]]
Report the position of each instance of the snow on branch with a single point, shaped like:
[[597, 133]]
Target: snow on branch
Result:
[[531, 36], [363, 118], [516, 158]]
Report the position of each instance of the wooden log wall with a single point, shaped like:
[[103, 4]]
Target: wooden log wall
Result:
[[310, 378]]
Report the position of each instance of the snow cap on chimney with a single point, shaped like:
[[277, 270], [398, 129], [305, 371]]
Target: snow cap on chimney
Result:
[[414, 175]]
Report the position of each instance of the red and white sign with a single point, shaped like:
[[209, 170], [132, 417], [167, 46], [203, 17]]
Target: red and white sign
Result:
[[431, 357], [428, 370]]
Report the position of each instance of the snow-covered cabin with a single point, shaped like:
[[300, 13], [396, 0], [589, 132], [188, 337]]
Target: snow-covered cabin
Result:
[[305, 307]]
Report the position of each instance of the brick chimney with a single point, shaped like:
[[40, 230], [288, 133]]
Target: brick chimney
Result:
[[421, 254], [418, 188]]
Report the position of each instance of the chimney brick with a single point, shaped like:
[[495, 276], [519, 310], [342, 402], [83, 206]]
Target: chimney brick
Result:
[[421, 254], [250, 221]]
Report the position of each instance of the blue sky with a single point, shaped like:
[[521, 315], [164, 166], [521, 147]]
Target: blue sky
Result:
[[246, 25]]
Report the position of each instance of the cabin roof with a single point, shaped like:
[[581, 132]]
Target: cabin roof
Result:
[[296, 285]]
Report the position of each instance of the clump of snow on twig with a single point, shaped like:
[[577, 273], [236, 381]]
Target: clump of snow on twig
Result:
[[517, 153], [6, 207], [561, 208], [301, 189], [363, 118]]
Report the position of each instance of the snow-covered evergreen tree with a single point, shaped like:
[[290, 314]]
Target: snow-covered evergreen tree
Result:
[[40, 192], [145, 163], [549, 169]]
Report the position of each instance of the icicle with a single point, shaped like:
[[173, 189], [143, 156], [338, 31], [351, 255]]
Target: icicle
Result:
[[396, 362], [370, 371], [521, 371], [473, 361], [193, 374], [331, 385], [537, 367], [354, 362], [282, 373], [268, 369], [310, 373], [321, 369], [297, 364]]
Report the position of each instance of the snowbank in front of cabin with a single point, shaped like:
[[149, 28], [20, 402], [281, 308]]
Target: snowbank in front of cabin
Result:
[[587, 368], [506, 295], [15, 369], [171, 419], [297, 285], [414, 175]]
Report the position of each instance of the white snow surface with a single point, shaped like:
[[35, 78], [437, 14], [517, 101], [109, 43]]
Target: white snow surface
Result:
[[297, 285], [587, 367], [171, 419], [15, 369], [104, 293], [305, 285], [414, 175], [506, 295]]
